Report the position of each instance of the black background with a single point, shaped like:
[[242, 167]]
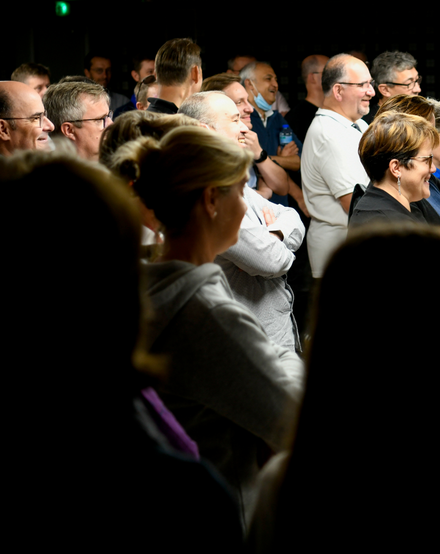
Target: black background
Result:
[[281, 33]]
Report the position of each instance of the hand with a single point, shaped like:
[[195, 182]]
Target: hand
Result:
[[291, 149], [251, 141], [270, 218]]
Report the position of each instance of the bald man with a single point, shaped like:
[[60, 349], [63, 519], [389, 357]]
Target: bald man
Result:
[[23, 123]]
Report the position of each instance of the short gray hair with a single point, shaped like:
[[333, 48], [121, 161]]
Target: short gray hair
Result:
[[385, 65], [64, 101], [197, 107], [248, 71]]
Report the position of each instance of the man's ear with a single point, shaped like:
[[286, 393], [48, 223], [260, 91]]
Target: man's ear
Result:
[[5, 130], [337, 91], [210, 201], [68, 130], [384, 90], [248, 85], [135, 76], [87, 73]]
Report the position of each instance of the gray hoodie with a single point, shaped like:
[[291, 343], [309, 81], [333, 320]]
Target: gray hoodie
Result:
[[230, 387]]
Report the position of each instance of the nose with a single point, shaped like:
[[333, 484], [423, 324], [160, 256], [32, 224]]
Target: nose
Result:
[[242, 127], [416, 89], [248, 107], [48, 126]]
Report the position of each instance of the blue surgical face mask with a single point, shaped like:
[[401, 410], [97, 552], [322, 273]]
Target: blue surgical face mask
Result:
[[261, 102]]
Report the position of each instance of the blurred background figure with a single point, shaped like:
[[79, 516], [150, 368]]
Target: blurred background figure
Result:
[[36, 75], [363, 464], [98, 67], [78, 431]]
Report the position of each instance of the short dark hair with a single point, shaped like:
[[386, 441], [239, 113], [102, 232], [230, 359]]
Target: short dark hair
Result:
[[29, 69], [175, 59], [136, 61], [334, 72], [219, 81], [88, 59]]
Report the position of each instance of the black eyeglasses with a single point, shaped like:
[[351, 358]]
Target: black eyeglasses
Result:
[[38, 117], [103, 119], [410, 86], [148, 80], [365, 85]]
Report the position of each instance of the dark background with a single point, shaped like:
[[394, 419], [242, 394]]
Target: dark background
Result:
[[277, 34]]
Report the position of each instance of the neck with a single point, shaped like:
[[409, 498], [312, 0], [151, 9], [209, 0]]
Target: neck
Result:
[[315, 97], [191, 246], [173, 94], [392, 189]]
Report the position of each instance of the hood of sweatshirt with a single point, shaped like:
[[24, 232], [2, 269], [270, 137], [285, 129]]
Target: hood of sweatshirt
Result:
[[168, 286]]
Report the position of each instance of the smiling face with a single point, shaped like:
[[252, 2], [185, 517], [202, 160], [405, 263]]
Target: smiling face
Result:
[[27, 134], [355, 100], [237, 93], [265, 83], [415, 179], [227, 118]]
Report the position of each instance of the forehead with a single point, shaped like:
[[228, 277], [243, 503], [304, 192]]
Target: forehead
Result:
[[27, 103], [223, 106], [262, 71], [35, 80], [100, 62], [358, 72], [147, 66], [406, 76], [94, 106], [236, 92]]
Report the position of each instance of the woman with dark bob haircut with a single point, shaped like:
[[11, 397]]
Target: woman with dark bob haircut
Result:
[[396, 152]]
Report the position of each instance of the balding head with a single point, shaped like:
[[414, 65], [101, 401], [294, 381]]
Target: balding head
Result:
[[217, 111], [346, 83], [23, 125]]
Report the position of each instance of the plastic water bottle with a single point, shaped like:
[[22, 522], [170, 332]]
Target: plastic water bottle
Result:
[[286, 135]]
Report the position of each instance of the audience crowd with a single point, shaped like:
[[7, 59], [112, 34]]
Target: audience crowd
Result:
[[177, 264]]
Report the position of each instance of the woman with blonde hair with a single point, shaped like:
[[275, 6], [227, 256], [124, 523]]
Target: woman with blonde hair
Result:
[[230, 386], [396, 152]]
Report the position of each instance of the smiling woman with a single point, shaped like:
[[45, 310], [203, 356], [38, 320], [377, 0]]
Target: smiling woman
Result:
[[396, 152]]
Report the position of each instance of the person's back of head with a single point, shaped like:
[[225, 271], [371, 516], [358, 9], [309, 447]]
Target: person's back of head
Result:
[[369, 414], [135, 124], [174, 61]]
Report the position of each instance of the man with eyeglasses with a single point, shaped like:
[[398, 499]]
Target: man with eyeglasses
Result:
[[330, 164], [394, 73], [80, 112], [23, 121]]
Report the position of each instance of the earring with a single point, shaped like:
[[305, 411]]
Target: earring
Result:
[[398, 185], [214, 214]]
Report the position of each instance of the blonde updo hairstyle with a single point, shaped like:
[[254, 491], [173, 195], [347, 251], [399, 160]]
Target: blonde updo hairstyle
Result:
[[173, 172]]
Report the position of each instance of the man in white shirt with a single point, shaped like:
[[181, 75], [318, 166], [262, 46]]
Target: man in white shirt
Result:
[[330, 164]]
